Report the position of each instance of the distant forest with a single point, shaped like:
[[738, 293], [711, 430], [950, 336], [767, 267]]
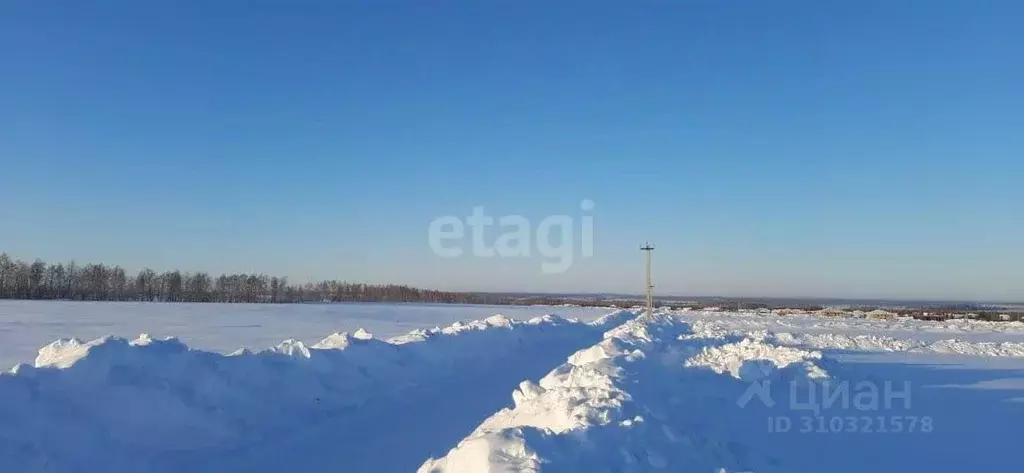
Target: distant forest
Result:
[[99, 282]]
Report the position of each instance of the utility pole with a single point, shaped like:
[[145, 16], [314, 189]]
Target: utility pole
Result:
[[648, 248]]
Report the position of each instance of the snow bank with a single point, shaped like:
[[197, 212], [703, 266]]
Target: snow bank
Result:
[[950, 346], [144, 405], [611, 407], [675, 393], [753, 360], [27, 325], [906, 326], [869, 342]]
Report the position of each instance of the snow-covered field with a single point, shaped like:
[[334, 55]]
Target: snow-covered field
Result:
[[27, 325], [681, 391]]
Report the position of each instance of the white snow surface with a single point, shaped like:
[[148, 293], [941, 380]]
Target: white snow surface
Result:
[[975, 338], [616, 406], [680, 391], [27, 325], [673, 393], [156, 405]]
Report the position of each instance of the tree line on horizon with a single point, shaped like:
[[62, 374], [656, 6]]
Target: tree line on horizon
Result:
[[99, 282]]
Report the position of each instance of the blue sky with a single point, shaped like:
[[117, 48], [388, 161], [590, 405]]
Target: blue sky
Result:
[[798, 148]]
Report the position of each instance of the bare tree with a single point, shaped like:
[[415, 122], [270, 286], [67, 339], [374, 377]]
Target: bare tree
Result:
[[54, 281], [173, 285], [6, 272], [97, 282], [118, 283], [199, 288], [144, 288], [35, 279], [71, 282]]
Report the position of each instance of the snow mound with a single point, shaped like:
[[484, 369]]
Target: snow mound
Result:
[[609, 408], [960, 347], [843, 341], [754, 359], [950, 346], [118, 405], [807, 332]]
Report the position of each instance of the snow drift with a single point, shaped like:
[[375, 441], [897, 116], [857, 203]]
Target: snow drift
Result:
[[837, 340], [949, 346], [673, 392], [156, 405], [618, 406], [752, 360]]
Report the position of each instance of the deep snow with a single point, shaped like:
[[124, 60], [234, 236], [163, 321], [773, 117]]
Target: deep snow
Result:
[[27, 325], [156, 405], [683, 391], [675, 394]]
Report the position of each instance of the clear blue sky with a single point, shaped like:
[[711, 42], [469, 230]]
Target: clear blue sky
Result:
[[864, 149]]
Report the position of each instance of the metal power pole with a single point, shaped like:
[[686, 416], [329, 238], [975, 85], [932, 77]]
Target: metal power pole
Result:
[[648, 248]]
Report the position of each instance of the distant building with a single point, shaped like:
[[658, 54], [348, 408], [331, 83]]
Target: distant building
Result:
[[830, 312], [790, 312], [880, 314]]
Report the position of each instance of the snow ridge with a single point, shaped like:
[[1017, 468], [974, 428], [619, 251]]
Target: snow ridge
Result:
[[752, 360], [118, 405], [949, 346], [614, 407], [865, 342]]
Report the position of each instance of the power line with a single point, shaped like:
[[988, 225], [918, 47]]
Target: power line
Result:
[[648, 248]]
